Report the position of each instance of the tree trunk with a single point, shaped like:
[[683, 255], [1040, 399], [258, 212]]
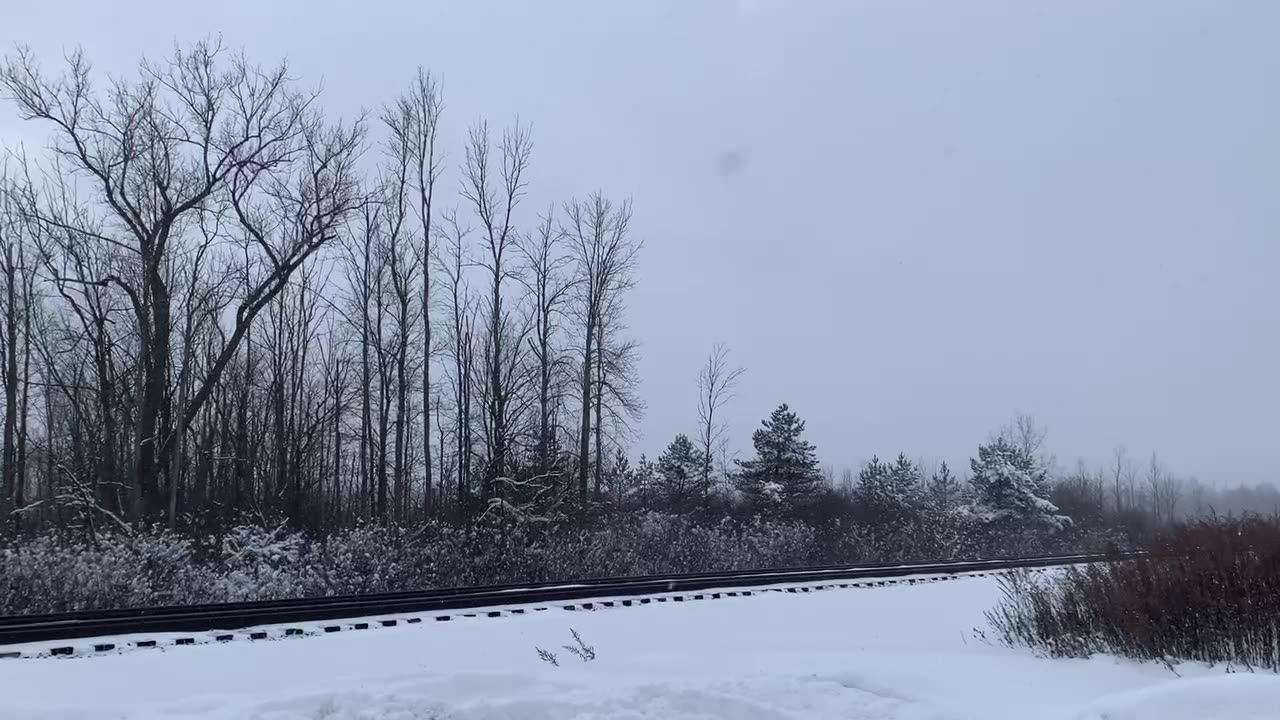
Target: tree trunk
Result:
[[11, 389], [337, 449], [426, 371], [402, 411], [20, 479], [497, 400], [279, 412], [584, 436], [440, 457], [178, 457], [600, 380], [384, 422], [153, 410], [244, 462]]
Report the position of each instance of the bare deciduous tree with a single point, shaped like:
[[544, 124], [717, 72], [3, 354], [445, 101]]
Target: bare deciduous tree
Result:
[[549, 286], [17, 267], [1157, 482], [423, 106], [1120, 464], [402, 255], [451, 262], [716, 383], [494, 201], [617, 403], [604, 256]]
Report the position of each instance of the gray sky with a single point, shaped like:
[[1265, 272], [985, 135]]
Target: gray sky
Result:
[[938, 212]]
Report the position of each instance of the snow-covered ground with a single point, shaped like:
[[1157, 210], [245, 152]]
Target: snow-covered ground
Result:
[[906, 651]]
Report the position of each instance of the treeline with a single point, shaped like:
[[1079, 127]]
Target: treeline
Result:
[[1150, 496], [775, 510]]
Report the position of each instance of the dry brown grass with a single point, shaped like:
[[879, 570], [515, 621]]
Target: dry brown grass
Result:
[[1209, 592]]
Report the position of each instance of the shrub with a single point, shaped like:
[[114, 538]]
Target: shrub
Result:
[[1208, 593], [252, 561], [373, 558], [60, 573]]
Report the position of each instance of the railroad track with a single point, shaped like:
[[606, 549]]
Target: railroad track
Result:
[[229, 617]]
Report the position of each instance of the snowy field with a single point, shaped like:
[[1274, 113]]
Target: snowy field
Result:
[[907, 652]]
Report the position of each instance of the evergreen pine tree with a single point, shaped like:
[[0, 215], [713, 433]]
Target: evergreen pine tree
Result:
[[1011, 488], [904, 481], [619, 477], [784, 473], [944, 489], [679, 471], [889, 493], [873, 472], [644, 481]]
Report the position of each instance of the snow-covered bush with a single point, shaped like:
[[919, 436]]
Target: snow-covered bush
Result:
[[251, 562], [929, 535], [623, 544], [777, 544], [59, 573], [263, 564], [372, 558]]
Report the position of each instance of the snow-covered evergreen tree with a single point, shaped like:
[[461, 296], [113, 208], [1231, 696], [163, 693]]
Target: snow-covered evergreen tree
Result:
[[1010, 488], [904, 480], [679, 475], [944, 489], [642, 483], [619, 477], [784, 473], [889, 492]]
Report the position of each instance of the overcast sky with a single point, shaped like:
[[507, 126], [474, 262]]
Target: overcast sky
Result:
[[906, 219]]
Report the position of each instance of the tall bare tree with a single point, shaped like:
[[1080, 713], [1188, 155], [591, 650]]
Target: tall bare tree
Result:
[[616, 379], [1157, 481], [494, 200], [423, 106], [205, 298], [604, 256], [1165, 491], [365, 271], [549, 287], [402, 255], [1121, 467], [451, 263], [17, 264], [716, 383]]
